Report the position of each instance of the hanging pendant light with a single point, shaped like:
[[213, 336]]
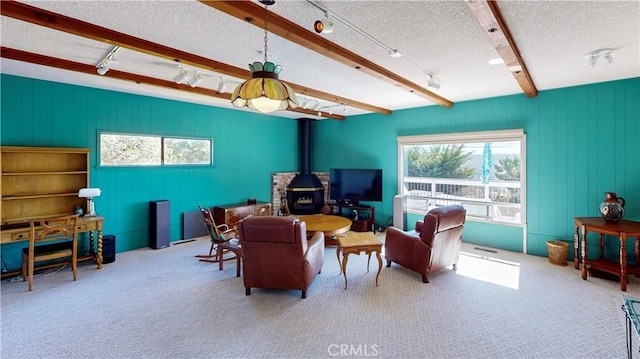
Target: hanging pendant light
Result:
[[264, 91]]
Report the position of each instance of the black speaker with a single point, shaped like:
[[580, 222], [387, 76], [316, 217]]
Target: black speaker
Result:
[[159, 224], [108, 249]]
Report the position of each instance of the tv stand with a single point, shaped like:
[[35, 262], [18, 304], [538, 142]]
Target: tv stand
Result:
[[366, 216]]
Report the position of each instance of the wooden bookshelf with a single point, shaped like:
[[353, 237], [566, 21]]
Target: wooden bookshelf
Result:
[[40, 182]]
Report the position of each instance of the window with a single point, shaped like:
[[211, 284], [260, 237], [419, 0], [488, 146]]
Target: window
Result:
[[483, 171], [145, 150]]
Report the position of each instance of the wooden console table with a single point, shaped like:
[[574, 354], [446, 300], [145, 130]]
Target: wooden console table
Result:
[[366, 220], [623, 229], [85, 224], [231, 214]]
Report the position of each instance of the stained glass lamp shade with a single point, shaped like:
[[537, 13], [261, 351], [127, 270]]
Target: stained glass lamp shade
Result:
[[264, 92]]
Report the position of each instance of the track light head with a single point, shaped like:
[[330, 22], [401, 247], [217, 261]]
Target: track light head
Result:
[[182, 77], [110, 61], [433, 83], [105, 65], [395, 54], [195, 79], [102, 69], [605, 54], [324, 26], [222, 86], [305, 103]]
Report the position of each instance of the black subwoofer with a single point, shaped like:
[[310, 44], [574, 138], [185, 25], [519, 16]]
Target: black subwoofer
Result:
[[159, 224], [108, 249]]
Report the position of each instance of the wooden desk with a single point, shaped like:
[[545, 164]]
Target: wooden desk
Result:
[[85, 224], [622, 229]]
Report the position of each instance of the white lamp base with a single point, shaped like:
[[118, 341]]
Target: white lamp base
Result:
[[92, 209]]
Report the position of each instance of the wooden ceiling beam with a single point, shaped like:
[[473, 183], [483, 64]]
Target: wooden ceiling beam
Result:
[[255, 14], [38, 59], [81, 28], [490, 19]]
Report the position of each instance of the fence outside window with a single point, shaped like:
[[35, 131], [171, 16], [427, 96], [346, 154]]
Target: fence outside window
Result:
[[495, 201]]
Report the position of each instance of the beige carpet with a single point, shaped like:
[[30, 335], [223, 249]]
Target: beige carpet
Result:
[[166, 304]]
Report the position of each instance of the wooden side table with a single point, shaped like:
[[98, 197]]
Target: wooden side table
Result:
[[623, 229], [355, 243]]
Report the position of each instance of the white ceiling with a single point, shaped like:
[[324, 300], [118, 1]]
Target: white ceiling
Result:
[[442, 37]]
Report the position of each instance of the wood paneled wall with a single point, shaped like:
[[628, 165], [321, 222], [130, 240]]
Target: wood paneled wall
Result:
[[581, 142], [247, 148]]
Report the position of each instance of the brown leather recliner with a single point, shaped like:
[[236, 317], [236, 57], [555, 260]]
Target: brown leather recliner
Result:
[[435, 244], [277, 254]]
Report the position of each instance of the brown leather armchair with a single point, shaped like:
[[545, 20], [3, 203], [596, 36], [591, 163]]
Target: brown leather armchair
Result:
[[435, 244], [277, 254]]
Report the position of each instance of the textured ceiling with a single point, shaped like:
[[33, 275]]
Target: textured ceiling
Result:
[[442, 37]]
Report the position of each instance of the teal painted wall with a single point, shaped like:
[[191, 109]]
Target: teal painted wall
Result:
[[581, 142], [248, 147]]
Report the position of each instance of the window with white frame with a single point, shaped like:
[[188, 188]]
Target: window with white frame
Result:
[[146, 150], [483, 171]]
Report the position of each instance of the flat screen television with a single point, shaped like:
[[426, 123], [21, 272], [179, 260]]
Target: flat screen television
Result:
[[352, 185]]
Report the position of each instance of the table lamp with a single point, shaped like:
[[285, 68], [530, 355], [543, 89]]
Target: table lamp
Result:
[[89, 194]]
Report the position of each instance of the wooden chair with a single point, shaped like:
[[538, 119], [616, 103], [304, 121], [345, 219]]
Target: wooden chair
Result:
[[62, 233], [221, 241]]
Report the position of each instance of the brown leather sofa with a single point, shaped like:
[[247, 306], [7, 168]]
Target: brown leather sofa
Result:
[[277, 254], [435, 243]]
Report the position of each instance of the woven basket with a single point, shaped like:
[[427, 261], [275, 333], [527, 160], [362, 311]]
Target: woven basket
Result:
[[558, 252]]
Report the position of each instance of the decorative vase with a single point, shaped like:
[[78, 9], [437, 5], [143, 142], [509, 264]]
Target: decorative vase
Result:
[[612, 208]]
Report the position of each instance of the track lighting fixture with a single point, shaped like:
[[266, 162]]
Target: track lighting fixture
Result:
[[192, 78], [102, 69], [324, 26], [222, 86], [182, 76], [592, 57], [110, 59], [433, 83], [305, 103], [195, 79], [330, 109], [395, 54]]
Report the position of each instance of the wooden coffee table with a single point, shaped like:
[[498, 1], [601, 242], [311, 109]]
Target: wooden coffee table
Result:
[[356, 243], [328, 224]]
